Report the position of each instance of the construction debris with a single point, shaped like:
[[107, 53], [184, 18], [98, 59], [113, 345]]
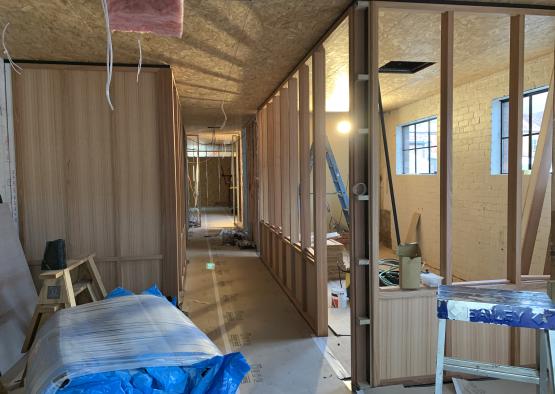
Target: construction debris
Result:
[[236, 237]]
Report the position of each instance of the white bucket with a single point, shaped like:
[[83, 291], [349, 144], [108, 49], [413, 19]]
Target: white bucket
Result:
[[338, 297]]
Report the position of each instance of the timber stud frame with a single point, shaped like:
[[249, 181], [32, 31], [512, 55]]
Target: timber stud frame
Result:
[[364, 164], [364, 161]]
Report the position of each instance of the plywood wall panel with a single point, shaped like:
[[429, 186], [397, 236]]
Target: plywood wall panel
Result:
[[480, 342], [87, 165], [39, 140], [407, 328], [98, 178], [137, 168], [140, 275]]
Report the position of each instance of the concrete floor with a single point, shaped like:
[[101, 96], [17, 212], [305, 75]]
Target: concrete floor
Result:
[[242, 308]]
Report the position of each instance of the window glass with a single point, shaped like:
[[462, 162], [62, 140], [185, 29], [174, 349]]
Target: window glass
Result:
[[419, 147], [532, 114]]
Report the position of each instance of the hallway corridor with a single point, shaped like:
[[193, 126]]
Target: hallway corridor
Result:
[[241, 308]]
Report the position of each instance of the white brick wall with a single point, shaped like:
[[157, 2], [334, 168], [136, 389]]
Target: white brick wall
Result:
[[479, 198]]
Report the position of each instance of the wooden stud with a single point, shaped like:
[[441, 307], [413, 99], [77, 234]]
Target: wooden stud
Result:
[[304, 153], [514, 210], [319, 178], [168, 174], [446, 146], [284, 142], [294, 159], [373, 186], [264, 173], [452, 6], [446, 156], [551, 247], [537, 186], [514, 213], [276, 180], [270, 164], [361, 351]]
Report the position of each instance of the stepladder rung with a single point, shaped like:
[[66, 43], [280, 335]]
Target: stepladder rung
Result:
[[518, 374]]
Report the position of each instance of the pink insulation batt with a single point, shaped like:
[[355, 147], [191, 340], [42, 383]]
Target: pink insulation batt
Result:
[[163, 17]]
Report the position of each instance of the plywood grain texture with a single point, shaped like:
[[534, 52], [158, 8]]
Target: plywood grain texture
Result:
[[286, 261], [102, 180]]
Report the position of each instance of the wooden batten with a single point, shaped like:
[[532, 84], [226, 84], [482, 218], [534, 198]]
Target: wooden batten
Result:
[[514, 213], [264, 170], [456, 6], [373, 184], [361, 348], [285, 163], [294, 159], [551, 244], [514, 206], [446, 146], [304, 153], [319, 178], [537, 186], [270, 165], [276, 180]]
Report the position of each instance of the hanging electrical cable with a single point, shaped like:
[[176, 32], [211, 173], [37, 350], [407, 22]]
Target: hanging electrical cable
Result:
[[140, 59], [225, 117], [15, 66], [109, 53]]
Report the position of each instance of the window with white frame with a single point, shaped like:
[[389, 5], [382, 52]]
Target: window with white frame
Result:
[[417, 147], [532, 114]]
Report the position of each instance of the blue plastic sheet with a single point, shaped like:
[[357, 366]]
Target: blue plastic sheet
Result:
[[219, 375], [152, 290], [130, 344]]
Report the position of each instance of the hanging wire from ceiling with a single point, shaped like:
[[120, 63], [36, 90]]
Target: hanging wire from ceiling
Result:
[[17, 68], [225, 116], [140, 59], [109, 53]]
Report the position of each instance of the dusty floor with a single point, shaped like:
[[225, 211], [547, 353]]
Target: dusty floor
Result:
[[241, 308]]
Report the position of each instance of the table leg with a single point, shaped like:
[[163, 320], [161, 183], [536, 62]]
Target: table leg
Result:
[[550, 353], [440, 355], [541, 360]]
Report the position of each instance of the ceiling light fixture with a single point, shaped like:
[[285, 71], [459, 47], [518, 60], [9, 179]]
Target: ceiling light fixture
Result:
[[344, 127]]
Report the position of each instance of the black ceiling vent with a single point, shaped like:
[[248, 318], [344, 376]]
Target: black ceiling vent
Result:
[[404, 67]]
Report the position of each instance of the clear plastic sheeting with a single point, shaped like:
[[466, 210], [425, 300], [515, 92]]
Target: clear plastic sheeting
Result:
[[129, 339]]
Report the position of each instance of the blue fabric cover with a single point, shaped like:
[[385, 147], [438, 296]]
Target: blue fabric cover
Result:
[[219, 375]]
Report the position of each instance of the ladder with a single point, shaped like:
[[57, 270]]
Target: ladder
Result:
[[337, 179]]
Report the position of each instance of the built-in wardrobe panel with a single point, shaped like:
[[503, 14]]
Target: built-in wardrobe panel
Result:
[[98, 178]]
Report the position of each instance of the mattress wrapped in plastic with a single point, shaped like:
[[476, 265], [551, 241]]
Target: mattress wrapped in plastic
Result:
[[132, 344]]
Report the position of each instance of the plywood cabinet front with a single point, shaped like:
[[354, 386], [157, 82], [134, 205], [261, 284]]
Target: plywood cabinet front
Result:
[[97, 178]]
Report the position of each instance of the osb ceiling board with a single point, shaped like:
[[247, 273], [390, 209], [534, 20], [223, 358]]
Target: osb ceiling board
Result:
[[481, 48], [235, 51]]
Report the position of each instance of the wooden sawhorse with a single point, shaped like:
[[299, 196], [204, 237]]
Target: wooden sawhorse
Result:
[[524, 309], [60, 289]]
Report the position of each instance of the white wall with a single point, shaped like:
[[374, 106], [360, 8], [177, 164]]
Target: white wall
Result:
[[479, 198]]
